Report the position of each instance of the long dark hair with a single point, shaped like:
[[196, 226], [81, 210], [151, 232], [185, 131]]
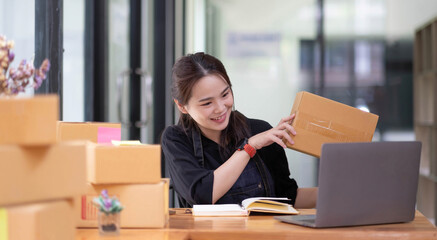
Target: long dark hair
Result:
[[187, 71]]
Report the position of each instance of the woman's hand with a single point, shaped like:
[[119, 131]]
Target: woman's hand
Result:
[[276, 134]]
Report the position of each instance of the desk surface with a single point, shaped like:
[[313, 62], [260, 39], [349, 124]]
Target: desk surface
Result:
[[184, 226]]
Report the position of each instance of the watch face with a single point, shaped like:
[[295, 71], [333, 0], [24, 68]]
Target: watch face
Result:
[[242, 143]]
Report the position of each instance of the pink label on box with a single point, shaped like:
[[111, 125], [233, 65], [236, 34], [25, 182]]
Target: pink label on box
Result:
[[106, 135]]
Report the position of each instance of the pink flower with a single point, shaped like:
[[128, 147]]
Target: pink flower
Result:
[[17, 79]]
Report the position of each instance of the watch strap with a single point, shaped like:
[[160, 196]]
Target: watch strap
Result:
[[247, 148], [250, 150]]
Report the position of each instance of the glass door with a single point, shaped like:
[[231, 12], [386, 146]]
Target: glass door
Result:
[[129, 65]]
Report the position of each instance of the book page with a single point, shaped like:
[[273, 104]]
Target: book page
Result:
[[271, 208], [269, 205], [219, 210], [246, 202]]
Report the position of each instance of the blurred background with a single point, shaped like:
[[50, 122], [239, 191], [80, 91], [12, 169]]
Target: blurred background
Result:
[[112, 59]]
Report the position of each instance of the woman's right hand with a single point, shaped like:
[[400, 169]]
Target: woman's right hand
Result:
[[276, 134]]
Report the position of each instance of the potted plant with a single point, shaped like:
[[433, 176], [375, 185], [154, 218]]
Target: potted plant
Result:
[[109, 213]]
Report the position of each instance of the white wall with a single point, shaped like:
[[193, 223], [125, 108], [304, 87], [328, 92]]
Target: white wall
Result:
[[404, 16]]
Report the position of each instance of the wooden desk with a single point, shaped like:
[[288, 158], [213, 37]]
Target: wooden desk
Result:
[[184, 226]]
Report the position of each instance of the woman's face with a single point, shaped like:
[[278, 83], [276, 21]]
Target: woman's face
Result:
[[210, 105]]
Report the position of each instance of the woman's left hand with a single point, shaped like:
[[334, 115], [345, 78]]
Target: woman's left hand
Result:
[[276, 134]]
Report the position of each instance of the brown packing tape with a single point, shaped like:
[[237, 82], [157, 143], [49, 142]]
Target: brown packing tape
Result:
[[329, 128]]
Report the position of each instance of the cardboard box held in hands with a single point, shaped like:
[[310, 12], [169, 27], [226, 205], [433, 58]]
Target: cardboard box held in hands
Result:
[[320, 120]]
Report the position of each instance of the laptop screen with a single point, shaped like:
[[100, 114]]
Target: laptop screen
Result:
[[367, 183]]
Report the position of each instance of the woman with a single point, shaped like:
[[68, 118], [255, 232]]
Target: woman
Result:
[[217, 155]]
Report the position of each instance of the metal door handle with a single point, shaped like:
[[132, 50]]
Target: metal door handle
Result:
[[122, 77], [146, 97]]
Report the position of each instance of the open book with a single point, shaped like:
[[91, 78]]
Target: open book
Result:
[[258, 204]]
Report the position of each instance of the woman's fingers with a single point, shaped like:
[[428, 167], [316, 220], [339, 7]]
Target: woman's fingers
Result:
[[281, 143], [280, 135], [287, 136], [284, 130], [278, 140], [286, 119], [287, 127], [291, 129]]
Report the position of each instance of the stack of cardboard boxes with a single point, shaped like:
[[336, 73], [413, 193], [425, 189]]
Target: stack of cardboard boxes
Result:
[[38, 176], [131, 173]]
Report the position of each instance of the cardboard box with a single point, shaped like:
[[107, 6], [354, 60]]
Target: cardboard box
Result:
[[97, 132], [320, 120], [124, 164], [29, 174], [47, 220], [145, 205], [29, 121]]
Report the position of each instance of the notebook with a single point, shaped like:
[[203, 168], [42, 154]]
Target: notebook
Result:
[[273, 205], [363, 184]]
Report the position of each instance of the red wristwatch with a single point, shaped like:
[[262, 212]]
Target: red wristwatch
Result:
[[246, 147]]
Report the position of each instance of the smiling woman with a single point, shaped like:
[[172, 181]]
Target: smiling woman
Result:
[[217, 155]]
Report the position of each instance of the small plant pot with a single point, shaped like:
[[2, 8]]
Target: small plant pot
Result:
[[109, 223]]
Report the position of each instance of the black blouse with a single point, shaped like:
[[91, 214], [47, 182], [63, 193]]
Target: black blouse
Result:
[[193, 180]]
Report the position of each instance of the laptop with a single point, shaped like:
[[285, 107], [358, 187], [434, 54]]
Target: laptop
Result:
[[363, 184]]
